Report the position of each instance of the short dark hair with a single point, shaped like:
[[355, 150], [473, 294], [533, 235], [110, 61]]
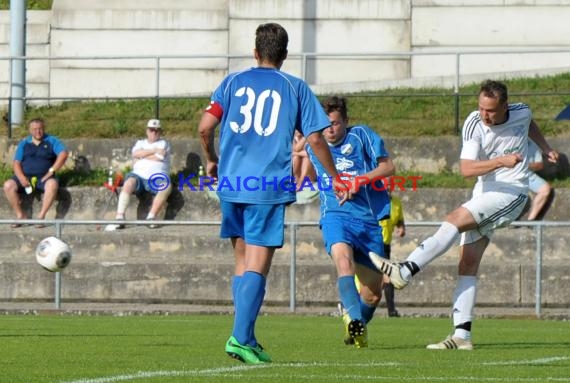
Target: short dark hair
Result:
[[271, 41], [37, 120], [494, 89], [336, 104]]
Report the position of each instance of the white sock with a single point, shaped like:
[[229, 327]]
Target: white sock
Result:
[[464, 297], [124, 199], [431, 248], [150, 216], [463, 334]]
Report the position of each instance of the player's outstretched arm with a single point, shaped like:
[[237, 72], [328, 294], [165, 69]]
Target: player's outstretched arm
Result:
[[207, 128]]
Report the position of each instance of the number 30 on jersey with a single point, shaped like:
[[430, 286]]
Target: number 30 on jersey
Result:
[[259, 103]]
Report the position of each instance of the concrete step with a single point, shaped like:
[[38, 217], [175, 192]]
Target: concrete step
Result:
[[192, 264], [86, 203]]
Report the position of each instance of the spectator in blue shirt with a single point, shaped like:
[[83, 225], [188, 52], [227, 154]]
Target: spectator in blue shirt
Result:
[[38, 157]]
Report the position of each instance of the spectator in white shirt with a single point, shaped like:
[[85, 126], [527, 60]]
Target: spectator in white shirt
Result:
[[151, 156]]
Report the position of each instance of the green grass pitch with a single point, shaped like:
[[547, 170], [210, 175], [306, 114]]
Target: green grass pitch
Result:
[[190, 348]]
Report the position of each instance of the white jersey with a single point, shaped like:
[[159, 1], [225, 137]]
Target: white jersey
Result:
[[534, 152], [144, 167], [481, 142]]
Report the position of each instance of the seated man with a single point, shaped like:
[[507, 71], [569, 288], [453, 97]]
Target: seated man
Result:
[[38, 157], [542, 190], [151, 156]]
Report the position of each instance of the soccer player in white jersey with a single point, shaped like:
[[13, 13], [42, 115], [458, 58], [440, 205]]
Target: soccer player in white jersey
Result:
[[495, 144], [258, 110]]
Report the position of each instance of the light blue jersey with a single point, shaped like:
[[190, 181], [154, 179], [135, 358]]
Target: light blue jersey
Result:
[[355, 155], [262, 107]]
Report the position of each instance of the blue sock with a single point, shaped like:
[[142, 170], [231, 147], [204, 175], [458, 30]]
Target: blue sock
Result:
[[258, 303], [367, 311], [248, 299], [349, 296], [236, 280]]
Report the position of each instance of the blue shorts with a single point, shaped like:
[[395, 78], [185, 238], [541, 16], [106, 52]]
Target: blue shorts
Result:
[[362, 236], [142, 184], [40, 186], [257, 224]]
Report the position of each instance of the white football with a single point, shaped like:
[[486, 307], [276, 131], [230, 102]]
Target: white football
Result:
[[53, 254]]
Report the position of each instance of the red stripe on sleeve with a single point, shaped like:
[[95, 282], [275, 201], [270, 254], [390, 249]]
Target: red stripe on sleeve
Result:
[[215, 110]]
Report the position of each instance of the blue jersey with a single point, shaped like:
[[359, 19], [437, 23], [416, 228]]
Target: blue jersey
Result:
[[355, 155], [37, 159], [262, 107]]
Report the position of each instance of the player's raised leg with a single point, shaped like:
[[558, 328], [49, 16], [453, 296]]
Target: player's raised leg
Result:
[[400, 274]]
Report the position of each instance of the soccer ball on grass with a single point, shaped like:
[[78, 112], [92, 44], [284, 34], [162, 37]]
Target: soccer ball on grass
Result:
[[53, 254]]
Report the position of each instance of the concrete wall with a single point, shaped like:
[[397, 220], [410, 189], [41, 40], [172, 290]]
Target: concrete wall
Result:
[[177, 28], [190, 264], [450, 25], [430, 155]]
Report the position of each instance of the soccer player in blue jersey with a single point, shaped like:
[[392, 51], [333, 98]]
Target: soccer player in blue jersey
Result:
[[351, 231], [495, 145], [258, 111], [38, 157]]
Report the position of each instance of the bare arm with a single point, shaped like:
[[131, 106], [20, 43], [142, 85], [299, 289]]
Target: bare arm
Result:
[[536, 166], [536, 135], [321, 149], [59, 162], [19, 172], [400, 229], [150, 154], [385, 168], [473, 168], [207, 128], [322, 152]]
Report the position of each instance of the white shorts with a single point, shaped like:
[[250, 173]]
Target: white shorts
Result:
[[492, 210], [535, 182]]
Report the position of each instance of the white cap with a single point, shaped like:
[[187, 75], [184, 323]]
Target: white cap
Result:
[[153, 124]]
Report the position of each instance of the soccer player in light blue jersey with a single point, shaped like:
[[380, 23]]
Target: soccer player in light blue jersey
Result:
[[351, 231], [495, 146], [258, 111]]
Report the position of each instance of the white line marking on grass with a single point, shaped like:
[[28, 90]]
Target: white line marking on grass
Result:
[[237, 371], [380, 378], [532, 361], [154, 374]]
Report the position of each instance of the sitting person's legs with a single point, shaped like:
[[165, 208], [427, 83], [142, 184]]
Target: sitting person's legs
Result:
[[50, 187], [11, 190]]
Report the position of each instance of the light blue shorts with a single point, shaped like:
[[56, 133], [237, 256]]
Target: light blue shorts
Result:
[[362, 236], [535, 182], [260, 225], [142, 184]]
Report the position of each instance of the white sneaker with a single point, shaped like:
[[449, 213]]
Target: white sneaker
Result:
[[152, 225], [389, 268], [451, 343], [113, 227]]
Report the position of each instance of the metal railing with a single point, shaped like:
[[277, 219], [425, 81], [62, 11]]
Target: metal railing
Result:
[[291, 227], [306, 60]]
